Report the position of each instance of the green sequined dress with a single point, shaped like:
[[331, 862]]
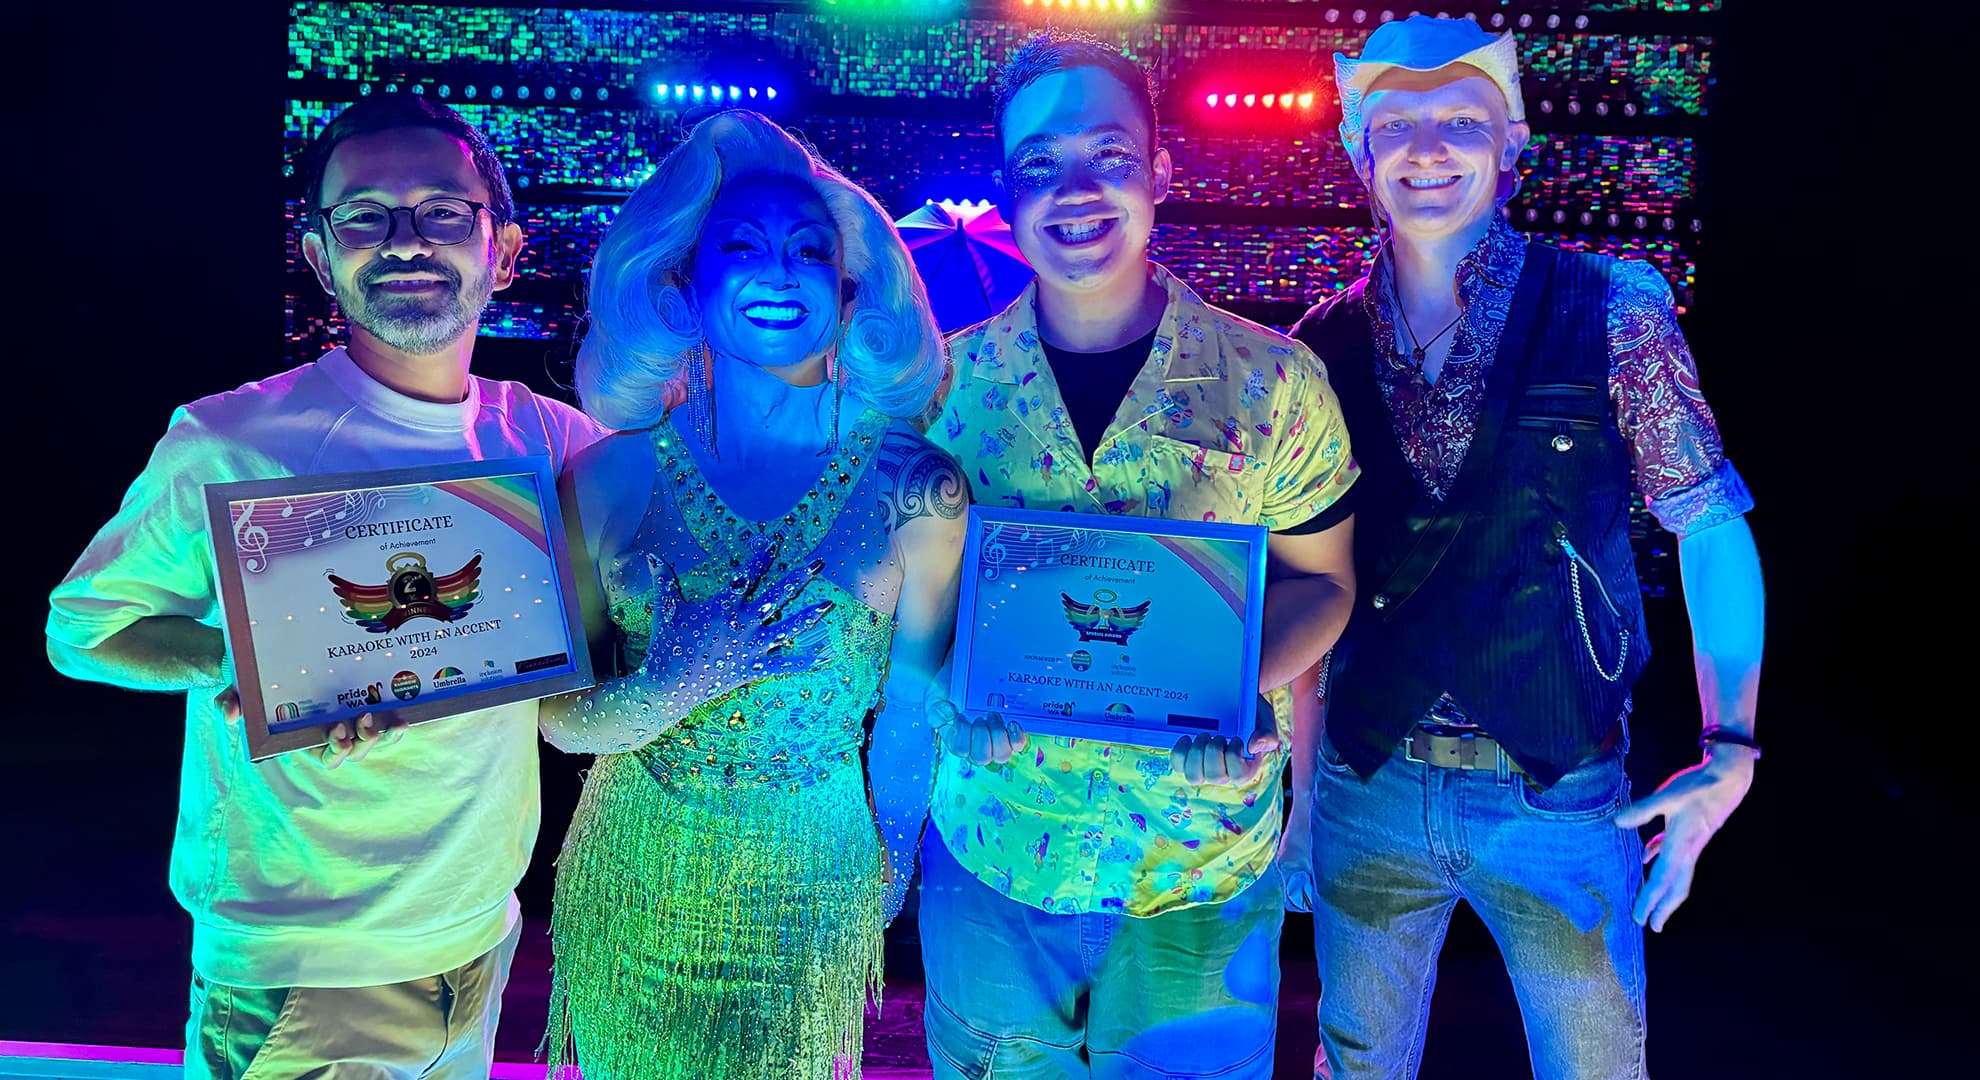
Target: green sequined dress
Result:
[[718, 895]]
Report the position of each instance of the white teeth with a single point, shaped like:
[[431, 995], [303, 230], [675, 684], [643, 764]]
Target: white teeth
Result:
[[774, 312], [1442, 181], [1075, 234]]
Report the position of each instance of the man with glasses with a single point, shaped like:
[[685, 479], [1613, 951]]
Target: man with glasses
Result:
[[343, 913]]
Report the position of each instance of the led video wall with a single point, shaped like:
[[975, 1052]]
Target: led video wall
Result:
[[582, 99]]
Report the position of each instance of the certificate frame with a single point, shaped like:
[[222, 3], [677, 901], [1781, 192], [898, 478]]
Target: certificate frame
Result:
[[518, 494], [1239, 551]]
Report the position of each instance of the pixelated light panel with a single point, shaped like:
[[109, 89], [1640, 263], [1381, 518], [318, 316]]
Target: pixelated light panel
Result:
[[1266, 213], [1265, 216]]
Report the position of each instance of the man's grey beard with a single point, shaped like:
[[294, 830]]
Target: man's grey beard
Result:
[[412, 324]]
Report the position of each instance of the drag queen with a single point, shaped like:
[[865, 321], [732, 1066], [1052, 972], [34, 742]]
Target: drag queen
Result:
[[770, 546]]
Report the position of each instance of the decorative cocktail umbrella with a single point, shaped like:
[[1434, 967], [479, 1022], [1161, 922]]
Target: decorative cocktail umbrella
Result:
[[967, 260]]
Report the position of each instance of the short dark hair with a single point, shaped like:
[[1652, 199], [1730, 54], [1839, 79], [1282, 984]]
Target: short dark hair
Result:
[[389, 112], [1058, 50]]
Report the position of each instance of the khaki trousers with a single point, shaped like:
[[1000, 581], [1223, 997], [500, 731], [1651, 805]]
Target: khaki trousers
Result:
[[440, 1027]]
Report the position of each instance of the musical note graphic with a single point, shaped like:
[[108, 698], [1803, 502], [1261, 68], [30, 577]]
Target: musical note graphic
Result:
[[251, 540], [265, 528], [994, 553], [322, 524]]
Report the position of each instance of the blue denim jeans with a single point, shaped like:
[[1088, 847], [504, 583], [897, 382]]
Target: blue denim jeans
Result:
[[1016, 993], [1548, 872]]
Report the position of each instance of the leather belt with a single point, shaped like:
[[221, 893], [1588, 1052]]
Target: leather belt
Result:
[[1470, 751], [1475, 750]]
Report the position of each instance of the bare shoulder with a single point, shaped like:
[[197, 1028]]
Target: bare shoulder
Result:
[[919, 480]]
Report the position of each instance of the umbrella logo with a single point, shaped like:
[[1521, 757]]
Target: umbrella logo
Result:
[[967, 260]]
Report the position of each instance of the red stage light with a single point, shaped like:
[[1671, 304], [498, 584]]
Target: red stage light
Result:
[[1279, 99]]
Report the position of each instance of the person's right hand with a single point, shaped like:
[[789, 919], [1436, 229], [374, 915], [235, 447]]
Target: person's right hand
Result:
[[704, 649], [986, 740]]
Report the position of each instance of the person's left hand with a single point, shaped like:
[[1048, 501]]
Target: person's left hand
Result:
[[355, 741], [344, 741], [1225, 762], [1694, 803]]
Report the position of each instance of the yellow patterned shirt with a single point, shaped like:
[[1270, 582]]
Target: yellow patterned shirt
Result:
[[1226, 421]]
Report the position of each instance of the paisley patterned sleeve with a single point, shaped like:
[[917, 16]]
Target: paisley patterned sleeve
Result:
[[1681, 466], [1309, 461]]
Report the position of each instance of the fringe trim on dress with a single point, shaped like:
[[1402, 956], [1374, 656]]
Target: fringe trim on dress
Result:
[[713, 932]]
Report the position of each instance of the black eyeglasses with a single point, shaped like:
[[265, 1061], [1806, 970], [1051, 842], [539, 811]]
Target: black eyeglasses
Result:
[[442, 220]]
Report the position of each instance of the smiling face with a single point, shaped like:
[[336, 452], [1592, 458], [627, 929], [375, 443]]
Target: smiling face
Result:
[[1081, 179], [415, 296], [1437, 143], [766, 274]]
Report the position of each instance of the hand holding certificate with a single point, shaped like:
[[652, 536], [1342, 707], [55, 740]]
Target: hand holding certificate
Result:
[[1127, 630], [428, 592]]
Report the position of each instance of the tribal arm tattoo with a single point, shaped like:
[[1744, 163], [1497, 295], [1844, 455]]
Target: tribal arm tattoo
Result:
[[922, 481]]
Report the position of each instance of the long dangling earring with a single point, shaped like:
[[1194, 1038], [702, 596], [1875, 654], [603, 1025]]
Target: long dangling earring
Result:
[[701, 395], [835, 372]]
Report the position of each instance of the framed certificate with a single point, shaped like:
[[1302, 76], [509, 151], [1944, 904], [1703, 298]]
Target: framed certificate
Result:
[[1127, 630], [423, 592]]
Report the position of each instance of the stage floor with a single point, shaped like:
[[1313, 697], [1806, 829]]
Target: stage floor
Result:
[[98, 996]]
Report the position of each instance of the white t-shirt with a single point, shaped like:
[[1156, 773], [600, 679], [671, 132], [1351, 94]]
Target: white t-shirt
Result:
[[397, 867]]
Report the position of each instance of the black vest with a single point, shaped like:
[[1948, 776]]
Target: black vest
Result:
[[1517, 593]]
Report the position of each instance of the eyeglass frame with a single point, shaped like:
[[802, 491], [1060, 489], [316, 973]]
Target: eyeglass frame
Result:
[[412, 214]]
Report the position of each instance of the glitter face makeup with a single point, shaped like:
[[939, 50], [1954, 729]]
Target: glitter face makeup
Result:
[[1081, 181]]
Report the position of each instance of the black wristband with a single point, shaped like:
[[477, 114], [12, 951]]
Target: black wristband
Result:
[[1715, 733]]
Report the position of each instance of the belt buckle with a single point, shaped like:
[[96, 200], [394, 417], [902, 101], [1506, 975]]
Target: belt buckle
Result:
[[1466, 756]]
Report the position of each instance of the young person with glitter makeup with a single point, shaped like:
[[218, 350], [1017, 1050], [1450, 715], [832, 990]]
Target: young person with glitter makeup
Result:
[[756, 562], [353, 908], [1092, 909], [1503, 395]]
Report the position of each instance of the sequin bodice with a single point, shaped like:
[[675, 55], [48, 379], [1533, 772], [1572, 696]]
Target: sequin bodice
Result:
[[788, 730]]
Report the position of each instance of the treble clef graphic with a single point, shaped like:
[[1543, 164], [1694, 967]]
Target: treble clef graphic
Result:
[[251, 540], [994, 552]]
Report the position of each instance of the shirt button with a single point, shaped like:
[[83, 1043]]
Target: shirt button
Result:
[[1563, 443], [1380, 601]]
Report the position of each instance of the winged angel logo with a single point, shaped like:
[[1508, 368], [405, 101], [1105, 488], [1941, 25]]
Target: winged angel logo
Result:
[[410, 592], [1103, 619]]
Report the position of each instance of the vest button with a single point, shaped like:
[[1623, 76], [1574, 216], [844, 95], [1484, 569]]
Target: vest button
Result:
[[1380, 601], [1563, 443]]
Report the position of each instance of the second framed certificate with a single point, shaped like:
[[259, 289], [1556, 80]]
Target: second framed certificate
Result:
[[1126, 630], [426, 591]]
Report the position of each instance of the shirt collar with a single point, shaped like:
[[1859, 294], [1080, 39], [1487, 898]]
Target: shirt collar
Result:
[[1009, 350], [1494, 261], [389, 403]]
